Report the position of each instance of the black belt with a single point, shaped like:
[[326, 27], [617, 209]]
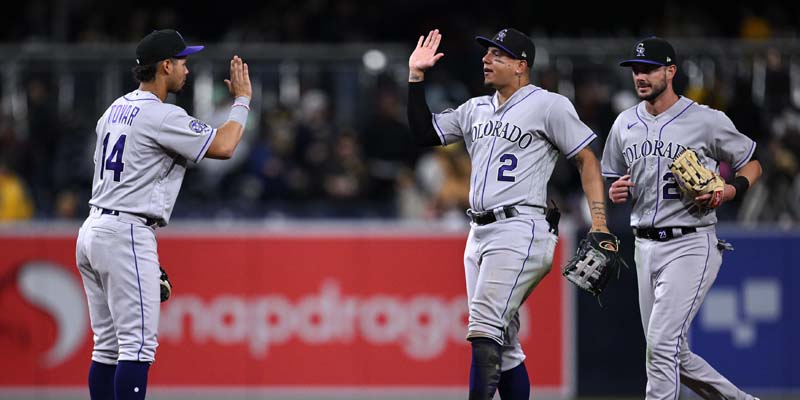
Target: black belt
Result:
[[487, 217], [663, 234], [552, 216], [148, 221]]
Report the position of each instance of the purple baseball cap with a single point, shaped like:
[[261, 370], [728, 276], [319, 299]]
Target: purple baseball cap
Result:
[[161, 45]]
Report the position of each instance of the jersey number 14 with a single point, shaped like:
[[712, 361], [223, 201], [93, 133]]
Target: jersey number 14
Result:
[[114, 160]]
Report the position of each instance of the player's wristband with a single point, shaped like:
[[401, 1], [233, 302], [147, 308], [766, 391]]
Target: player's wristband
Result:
[[239, 110], [741, 184]]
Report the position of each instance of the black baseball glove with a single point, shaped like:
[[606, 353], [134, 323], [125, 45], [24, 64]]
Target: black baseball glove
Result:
[[166, 286], [596, 260]]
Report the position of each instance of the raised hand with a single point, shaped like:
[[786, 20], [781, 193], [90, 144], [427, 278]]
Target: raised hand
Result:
[[620, 190], [239, 83], [424, 56]]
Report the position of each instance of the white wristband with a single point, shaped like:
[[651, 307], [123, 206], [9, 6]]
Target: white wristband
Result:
[[239, 110]]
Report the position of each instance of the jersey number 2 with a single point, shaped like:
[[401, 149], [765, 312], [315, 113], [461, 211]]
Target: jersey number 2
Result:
[[114, 160], [671, 191], [501, 173]]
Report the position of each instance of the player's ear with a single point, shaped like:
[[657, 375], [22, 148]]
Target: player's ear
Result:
[[523, 66], [166, 66], [671, 71]]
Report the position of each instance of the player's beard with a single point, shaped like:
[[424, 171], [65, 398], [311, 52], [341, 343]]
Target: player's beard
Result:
[[178, 86], [655, 90]]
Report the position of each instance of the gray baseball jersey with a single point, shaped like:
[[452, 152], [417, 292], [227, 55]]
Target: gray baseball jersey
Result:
[[143, 148], [674, 275], [514, 147], [644, 145]]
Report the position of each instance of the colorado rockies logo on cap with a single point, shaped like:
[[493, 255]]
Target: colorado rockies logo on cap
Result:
[[517, 44], [640, 50], [653, 50], [501, 35]]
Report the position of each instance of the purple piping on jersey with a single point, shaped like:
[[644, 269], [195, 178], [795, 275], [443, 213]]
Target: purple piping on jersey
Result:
[[482, 104], [486, 173], [658, 176], [439, 131], [520, 101], [685, 320], [646, 132], [474, 200], [213, 133], [489, 161], [612, 174], [522, 268], [581, 145], [140, 99], [740, 164], [141, 303], [647, 128]]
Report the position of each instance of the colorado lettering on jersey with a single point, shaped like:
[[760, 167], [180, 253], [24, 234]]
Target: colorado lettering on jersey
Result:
[[505, 130], [122, 114], [651, 148]]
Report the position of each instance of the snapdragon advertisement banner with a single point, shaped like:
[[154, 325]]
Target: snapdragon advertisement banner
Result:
[[326, 310]]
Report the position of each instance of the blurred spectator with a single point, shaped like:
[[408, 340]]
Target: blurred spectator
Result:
[[44, 134], [754, 27], [15, 204], [270, 159], [443, 181], [345, 177], [777, 83], [387, 146], [303, 162], [314, 134]]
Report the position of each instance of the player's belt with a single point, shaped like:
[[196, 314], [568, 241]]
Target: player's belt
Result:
[[489, 216], [663, 234], [147, 221]]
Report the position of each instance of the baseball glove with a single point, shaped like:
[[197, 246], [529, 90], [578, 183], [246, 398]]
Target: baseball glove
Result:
[[596, 260], [166, 286], [695, 179]]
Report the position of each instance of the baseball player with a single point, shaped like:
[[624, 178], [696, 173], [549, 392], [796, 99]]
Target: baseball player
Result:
[[143, 148], [513, 138], [677, 252]]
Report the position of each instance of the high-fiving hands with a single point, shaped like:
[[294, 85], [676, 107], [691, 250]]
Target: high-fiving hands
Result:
[[239, 83], [424, 56]]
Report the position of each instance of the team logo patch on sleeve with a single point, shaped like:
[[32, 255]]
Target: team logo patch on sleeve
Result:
[[198, 126]]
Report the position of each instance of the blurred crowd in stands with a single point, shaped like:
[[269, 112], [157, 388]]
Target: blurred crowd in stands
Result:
[[298, 161]]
